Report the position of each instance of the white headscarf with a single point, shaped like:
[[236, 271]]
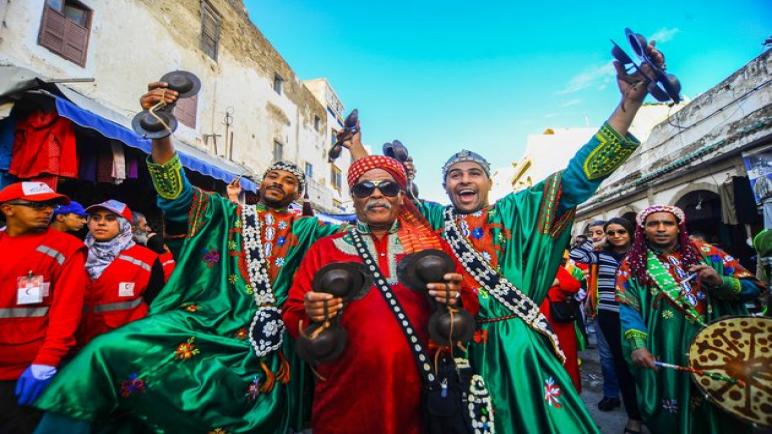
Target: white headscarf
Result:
[[103, 253]]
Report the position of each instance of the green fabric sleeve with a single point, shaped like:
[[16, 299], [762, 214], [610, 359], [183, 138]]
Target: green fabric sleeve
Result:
[[175, 193], [594, 162], [636, 339]]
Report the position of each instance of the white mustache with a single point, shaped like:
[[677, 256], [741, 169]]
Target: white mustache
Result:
[[372, 204]]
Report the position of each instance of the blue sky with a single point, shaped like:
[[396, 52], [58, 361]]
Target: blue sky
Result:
[[442, 75]]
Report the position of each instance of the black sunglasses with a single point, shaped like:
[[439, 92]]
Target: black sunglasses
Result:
[[366, 188]]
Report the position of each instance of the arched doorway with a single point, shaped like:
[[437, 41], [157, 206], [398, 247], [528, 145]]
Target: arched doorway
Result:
[[703, 216]]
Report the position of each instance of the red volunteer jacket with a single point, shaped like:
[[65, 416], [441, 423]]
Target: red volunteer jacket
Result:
[[40, 329], [116, 297], [168, 263]]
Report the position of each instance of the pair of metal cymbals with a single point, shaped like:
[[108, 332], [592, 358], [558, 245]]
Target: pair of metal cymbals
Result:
[[662, 86], [162, 122], [447, 325], [347, 280], [350, 127]]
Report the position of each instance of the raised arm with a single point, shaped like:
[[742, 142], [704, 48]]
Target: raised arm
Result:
[[175, 193], [612, 144]]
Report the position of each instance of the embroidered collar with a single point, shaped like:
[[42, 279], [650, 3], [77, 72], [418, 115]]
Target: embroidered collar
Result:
[[363, 228]]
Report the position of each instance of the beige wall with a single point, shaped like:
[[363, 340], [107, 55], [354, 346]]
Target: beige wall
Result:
[[133, 42]]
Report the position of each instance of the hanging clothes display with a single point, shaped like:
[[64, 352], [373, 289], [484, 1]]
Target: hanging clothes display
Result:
[[118, 172], [728, 210], [44, 143]]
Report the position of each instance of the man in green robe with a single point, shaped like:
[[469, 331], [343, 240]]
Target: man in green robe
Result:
[[514, 247], [213, 355], [668, 288]]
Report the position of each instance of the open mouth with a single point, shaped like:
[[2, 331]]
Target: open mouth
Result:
[[466, 195]]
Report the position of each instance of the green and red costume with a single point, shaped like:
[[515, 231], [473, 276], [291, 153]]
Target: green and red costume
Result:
[[190, 367], [522, 237], [663, 314]]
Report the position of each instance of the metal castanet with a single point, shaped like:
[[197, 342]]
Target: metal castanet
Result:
[[159, 121], [661, 85], [350, 127], [325, 341], [399, 152], [448, 325]]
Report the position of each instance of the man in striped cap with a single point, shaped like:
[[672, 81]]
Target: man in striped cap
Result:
[[41, 299]]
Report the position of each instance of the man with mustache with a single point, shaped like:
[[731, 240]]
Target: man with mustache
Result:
[[514, 247], [213, 353], [377, 352], [669, 287]]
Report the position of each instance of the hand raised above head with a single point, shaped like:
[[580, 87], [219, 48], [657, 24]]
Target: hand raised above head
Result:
[[633, 86], [157, 91]]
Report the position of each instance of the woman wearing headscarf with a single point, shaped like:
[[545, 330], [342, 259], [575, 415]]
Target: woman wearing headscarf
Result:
[[125, 277]]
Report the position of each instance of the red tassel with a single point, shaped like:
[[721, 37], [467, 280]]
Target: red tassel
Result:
[[270, 379], [283, 375]]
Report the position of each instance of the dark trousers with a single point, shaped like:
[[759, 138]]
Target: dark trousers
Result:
[[612, 331], [13, 418]]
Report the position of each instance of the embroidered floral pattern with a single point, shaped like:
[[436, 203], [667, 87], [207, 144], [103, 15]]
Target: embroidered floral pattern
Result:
[[211, 257], [132, 385], [232, 279], [253, 390], [279, 262], [552, 392], [218, 431], [667, 314], [670, 405], [186, 350], [477, 233], [241, 333], [480, 336], [192, 308]]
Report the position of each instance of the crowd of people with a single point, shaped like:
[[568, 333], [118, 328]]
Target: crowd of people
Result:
[[116, 334]]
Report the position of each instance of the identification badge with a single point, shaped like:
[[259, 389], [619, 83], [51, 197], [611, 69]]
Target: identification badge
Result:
[[126, 289], [29, 289]]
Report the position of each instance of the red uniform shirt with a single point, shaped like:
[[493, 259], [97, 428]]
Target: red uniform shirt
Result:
[[42, 282], [115, 298]]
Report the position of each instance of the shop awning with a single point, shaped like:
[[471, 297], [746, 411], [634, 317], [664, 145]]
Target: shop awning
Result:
[[191, 157], [87, 113]]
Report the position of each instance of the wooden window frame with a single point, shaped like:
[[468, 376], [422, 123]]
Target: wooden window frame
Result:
[[186, 111], [208, 11], [45, 32]]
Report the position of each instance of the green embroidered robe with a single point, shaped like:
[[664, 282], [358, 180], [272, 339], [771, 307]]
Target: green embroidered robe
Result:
[[524, 235], [667, 399], [189, 366]]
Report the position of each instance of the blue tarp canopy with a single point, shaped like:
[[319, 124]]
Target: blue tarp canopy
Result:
[[191, 157]]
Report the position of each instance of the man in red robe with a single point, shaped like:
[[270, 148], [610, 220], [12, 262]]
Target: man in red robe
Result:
[[375, 385]]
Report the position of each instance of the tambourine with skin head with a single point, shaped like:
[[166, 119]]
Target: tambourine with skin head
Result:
[[349, 129], [325, 341], [447, 325], [662, 86], [738, 348], [159, 121]]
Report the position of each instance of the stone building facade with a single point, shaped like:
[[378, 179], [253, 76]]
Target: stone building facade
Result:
[[252, 108], [694, 159]]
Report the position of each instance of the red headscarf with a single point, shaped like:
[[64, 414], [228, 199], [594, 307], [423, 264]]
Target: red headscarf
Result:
[[414, 232], [394, 167]]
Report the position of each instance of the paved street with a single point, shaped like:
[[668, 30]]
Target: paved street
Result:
[[612, 422]]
